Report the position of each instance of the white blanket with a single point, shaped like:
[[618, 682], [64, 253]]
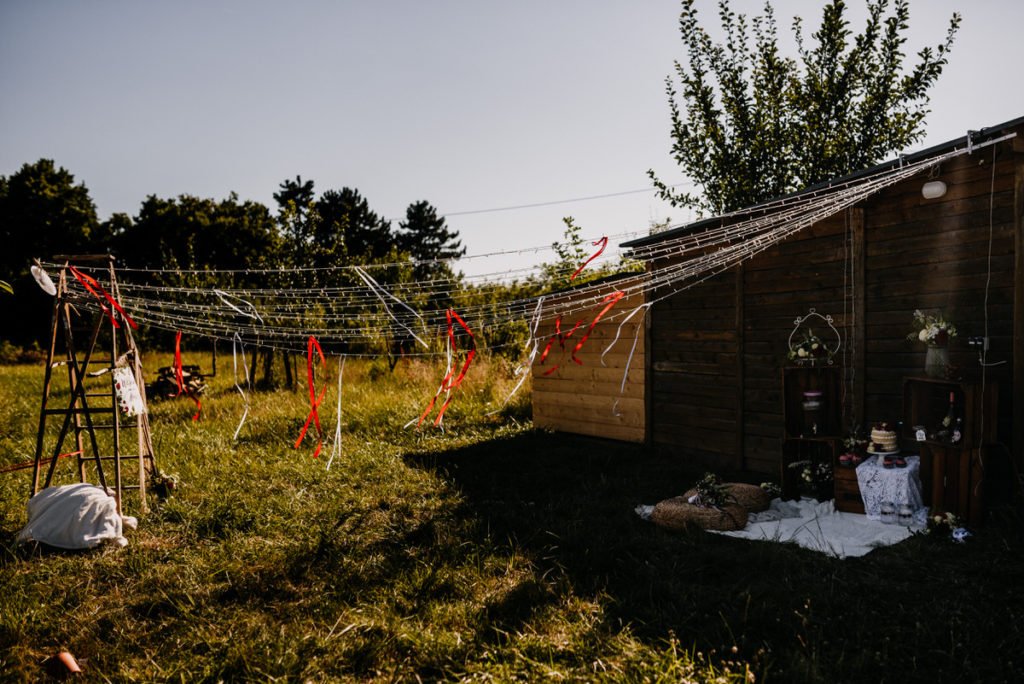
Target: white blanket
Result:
[[78, 516], [820, 527]]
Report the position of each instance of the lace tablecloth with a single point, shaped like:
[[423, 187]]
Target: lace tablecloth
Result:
[[898, 485]]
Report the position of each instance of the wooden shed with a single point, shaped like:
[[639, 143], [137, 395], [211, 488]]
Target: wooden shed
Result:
[[600, 389], [715, 350]]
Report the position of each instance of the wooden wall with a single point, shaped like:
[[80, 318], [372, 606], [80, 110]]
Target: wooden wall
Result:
[[586, 399], [716, 350]]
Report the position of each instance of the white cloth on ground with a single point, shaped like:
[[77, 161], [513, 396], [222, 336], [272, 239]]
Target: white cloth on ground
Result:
[[78, 516], [819, 527]]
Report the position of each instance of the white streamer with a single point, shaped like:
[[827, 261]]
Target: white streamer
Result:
[[237, 340], [249, 314], [377, 290], [336, 446]]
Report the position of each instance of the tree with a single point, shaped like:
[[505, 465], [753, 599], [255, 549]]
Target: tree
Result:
[[749, 125], [429, 242], [346, 228], [295, 203], [42, 213]]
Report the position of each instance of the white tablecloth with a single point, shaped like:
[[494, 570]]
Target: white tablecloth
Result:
[[898, 485]]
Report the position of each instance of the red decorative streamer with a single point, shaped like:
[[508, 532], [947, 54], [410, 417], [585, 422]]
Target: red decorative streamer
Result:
[[97, 291], [609, 301], [314, 400], [179, 376], [604, 243], [449, 383]]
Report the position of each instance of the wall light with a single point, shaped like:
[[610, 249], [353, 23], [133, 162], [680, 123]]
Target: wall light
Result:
[[933, 189]]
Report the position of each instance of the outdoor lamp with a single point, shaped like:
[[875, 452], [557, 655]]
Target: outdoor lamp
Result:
[[933, 189]]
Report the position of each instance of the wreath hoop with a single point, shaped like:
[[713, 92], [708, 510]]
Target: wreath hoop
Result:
[[830, 351]]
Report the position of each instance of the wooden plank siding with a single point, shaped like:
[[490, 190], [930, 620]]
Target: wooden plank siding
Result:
[[716, 350], [588, 398]]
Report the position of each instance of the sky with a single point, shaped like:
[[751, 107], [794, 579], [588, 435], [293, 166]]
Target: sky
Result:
[[470, 105]]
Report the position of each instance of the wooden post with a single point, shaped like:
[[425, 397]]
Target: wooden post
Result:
[[1017, 397], [859, 252], [740, 461]]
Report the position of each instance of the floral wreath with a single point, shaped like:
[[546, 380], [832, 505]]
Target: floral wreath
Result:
[[810, 347]]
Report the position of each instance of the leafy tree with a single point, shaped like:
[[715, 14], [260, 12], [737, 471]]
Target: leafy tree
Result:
[[346, 228], [295, 204], [43, 212], [195, 233], [429, 241], [749, 124]]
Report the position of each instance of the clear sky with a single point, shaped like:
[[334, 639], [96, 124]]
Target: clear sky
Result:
[[470, 105]]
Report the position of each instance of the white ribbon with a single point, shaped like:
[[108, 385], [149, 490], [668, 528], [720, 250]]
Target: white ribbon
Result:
[[236, 344], [252, 313], [336, 445], [376, 289], [523, 370]]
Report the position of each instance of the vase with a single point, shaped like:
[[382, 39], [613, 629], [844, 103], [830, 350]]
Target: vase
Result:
[[936, 361]]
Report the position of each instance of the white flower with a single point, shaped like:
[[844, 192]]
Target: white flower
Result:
[[801, 352], [923, 335]]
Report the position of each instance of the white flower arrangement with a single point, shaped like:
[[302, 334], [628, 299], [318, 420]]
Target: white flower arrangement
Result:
[[933, 330]]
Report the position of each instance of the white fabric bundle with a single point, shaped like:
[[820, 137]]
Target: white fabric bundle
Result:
[[78, 516]]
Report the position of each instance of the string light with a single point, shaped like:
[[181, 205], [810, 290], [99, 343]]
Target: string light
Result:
[[347, 309]]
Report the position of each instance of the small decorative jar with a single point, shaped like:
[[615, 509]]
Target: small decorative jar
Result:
[[812, 410], [905, 515], [887, 512]]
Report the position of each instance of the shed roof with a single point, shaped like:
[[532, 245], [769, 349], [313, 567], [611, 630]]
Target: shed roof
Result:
[[971, 138]]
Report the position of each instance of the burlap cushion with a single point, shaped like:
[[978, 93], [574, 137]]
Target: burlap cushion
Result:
[[677, 514], [751, 497]]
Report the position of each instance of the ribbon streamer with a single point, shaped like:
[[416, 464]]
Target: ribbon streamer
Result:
[[97, 291], [611, 300], [179, 376], [604, 243], [450, 383], [376, 288], [336, 445], [236, 346], [314, 400], [253, 313], [523, 370]]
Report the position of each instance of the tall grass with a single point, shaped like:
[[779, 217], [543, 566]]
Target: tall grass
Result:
[[489, 552]]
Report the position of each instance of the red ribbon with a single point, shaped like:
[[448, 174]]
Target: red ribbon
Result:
[[97, 291], [611, 300], [179, 376], [314, 400], [448, 383], [604, 243], [561, 337]]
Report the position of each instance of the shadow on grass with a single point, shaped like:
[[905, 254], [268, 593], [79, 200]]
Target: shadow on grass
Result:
[[921, 610]]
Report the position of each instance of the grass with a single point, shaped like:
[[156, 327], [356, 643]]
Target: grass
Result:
[[490, 552]]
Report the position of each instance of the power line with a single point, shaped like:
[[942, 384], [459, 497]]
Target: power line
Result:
[[551, 203]]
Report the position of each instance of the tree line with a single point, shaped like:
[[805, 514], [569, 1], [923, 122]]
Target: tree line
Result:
[[44, 212]]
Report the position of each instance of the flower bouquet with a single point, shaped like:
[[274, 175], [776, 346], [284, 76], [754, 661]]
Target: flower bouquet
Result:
[[809, 350], [936, 332], [933, 330]]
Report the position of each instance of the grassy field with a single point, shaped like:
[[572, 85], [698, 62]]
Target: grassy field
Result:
[[489, 552]]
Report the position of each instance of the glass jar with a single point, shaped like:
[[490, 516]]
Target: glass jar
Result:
[[812, 411], [905, 515], [887, 512]]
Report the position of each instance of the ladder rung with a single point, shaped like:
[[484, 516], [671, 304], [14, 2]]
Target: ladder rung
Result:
[[123, 426], [56, 412], [90, 395], [124, 457]]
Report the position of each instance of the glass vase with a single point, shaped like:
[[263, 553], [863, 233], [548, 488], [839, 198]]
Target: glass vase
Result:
[[936, 361]]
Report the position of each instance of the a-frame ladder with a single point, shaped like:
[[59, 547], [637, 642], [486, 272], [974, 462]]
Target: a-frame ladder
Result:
[[87, 324]]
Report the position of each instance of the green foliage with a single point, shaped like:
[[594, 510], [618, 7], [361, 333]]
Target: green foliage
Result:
[[749, 124], [430, 242]]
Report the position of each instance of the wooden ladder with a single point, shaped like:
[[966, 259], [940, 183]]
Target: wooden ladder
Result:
[[92, 404]]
